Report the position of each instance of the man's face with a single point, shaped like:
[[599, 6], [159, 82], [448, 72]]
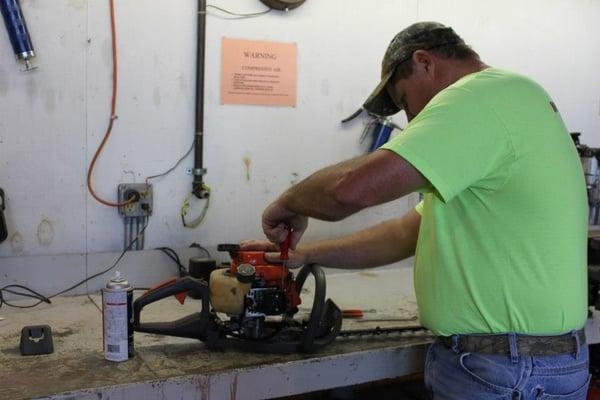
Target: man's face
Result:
[[413, 93]]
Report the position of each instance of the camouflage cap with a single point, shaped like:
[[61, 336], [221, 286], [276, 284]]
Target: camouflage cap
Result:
[[418, 36]]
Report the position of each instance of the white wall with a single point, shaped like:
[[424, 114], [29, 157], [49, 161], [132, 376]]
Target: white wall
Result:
[[51, 120]]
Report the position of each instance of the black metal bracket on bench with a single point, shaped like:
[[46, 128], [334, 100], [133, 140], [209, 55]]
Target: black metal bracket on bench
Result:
[[3, 229], [36, 339]]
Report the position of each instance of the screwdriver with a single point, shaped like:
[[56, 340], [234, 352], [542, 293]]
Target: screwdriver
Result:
[[355, 313], [285, 246], [285, 249]]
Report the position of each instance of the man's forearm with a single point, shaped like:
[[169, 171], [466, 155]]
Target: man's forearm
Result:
[[338, 191], [317, 197], [383, 244]]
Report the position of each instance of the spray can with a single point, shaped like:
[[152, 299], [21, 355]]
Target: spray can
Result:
[[117, 319]]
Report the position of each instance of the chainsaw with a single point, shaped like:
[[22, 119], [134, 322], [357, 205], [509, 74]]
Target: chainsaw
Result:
[[260, 301]]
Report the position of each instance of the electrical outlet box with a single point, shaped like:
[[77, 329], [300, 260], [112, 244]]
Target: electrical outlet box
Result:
[[142, 207]]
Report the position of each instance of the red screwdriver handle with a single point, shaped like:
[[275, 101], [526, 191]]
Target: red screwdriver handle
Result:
[[285, 245]]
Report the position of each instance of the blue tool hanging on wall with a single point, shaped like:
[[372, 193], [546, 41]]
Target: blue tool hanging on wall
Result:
[[378, 129], [17, 31]]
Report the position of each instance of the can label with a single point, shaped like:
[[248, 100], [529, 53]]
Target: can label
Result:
[[117, 320]]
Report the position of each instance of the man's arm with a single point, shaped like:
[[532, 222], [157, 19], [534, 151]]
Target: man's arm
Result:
[[335, 192], [383, 244]]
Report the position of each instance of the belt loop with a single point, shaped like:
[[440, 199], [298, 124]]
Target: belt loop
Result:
[[514, 349], [575, 335], [456, 343]]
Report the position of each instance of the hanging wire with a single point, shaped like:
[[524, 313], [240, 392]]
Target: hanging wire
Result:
[[113, 114], [234, 14], [187, 153], [185, 207], [172, 254], [203, 249], [43, 299], [28, 293]]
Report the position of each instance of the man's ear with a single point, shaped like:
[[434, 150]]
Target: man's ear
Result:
[[423, 60]]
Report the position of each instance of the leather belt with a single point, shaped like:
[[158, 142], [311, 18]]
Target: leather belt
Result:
[[526, 345]]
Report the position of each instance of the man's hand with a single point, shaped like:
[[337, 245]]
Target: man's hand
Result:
[[272, 254], [382, 244], [276, 220]]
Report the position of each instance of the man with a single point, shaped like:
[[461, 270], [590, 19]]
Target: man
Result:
[[500, 237]]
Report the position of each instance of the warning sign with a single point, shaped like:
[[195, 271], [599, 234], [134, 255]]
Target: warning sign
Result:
[[254, 72]]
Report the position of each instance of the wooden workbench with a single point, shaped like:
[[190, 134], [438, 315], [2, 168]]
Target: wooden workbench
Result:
[[175, 368]]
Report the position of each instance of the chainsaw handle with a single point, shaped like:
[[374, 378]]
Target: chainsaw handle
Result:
[[324, 312], [232, 248], [193, 326]]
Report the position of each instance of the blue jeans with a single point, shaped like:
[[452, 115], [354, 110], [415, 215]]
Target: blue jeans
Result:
[[451, 375]]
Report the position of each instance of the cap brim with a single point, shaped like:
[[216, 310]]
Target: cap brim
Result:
[[380, 102]]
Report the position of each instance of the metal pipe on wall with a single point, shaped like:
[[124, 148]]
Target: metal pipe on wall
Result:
[[131, 237], [199, 170], [126, 239]]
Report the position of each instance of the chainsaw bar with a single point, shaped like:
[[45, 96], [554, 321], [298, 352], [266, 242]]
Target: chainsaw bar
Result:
[[377, 331]]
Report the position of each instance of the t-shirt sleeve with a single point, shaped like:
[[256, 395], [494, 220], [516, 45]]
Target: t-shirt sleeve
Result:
[[456, 142]]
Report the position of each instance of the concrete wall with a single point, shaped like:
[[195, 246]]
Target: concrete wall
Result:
[[51, 120]]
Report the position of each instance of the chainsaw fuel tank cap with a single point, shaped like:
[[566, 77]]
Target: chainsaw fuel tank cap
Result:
[[246, 273]]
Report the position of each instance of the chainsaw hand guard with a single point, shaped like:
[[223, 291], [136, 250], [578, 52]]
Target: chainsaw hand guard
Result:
[[192, 326]]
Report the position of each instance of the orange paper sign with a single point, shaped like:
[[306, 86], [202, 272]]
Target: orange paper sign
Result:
[[255, 72]]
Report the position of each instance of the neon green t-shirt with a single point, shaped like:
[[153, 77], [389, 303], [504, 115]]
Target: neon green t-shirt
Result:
[[502, 241]]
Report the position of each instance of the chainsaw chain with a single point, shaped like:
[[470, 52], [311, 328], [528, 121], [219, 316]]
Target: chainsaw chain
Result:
[[382, 331]]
